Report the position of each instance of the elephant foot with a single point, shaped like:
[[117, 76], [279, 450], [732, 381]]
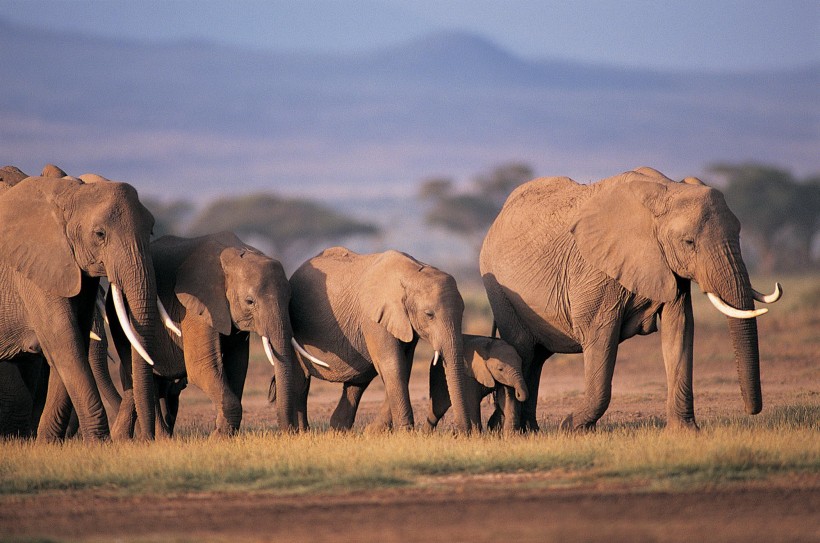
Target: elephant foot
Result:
[[568, 425], [529, 424], [682, 425], [496, 421]]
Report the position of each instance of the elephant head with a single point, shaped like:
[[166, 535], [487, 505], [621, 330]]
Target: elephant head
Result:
[[233, 285], [494, 362], [409, 298], [653, 235]]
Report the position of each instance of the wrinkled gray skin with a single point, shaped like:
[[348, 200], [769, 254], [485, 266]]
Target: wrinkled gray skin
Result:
[[218, 290], [363, 315], [60, 235], [572, 268], [491, 365]]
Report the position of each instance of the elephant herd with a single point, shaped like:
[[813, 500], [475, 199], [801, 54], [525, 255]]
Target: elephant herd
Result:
[[567, 267]]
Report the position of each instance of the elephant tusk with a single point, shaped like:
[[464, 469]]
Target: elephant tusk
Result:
[[436, 356], [166, 318], [125, 323], [268, 350], [307, 355], [94, 336], [769, 298], [730, 311]]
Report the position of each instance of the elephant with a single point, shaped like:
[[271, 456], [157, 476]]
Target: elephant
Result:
[[356, 316], [571, 268], [491, 365], [61, 235], [217, 290]]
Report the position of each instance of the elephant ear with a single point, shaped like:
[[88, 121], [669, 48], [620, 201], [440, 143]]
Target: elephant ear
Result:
[[200, 286], [34, 241], [383, 302], [477, 368], [615, 232]]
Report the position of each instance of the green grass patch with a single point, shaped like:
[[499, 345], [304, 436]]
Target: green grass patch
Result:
[[783, 441]]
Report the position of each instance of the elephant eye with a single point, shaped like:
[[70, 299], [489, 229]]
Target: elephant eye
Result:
[[99, 233], [430, 313], [689, 242], [250, 301]]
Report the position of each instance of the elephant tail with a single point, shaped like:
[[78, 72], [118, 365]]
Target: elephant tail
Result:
[[494, 330]]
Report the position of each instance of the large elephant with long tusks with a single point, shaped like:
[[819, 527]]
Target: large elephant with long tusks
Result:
[[60, 236], [214, 291], [572, 268]]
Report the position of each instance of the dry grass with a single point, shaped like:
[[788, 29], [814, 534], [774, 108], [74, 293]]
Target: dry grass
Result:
[[781, 442]]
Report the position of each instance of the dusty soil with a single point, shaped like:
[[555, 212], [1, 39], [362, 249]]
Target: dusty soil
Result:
[[467, 512], [521, 507]]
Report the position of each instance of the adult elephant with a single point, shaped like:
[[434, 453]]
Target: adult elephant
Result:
[[492, 365], [361, 315], [574, 268], [60, 236], [219, 290]]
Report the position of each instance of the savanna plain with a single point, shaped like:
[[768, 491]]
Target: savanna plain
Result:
[[741, 478]]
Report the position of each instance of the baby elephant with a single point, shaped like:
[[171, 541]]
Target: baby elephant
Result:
[[491, 365]]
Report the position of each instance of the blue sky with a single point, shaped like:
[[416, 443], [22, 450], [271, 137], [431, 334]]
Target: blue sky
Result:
[[713, 35]]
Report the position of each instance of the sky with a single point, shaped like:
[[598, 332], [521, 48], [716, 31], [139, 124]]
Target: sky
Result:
[[711, 35]]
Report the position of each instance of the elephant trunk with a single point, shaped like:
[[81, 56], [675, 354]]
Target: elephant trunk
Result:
[[280, 353], [98, 358], [453, 354], [138, 285], [734, 288], [520, 386]]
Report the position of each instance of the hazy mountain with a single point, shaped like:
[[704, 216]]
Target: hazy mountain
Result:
[[197, 118]]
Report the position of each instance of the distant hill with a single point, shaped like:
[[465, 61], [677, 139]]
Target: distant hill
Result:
[[195, 119]]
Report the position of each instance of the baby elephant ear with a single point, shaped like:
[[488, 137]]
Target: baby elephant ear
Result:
[[477, 368], [200, 287], [34, 241], [480, 372]]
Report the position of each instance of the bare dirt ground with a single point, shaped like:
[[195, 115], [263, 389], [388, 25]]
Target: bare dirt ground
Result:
[[517, 507]]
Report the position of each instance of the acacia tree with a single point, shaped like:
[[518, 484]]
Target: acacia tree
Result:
[[780, 214], [289, 225]]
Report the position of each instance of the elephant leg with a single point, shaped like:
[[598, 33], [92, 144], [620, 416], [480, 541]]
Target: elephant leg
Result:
[[496, 420], [529, 420], [383, 421], [599, 365], [35, 373], [345, 413], [393, 365], [677, 342], [56, 411], [235, 354], [124, 424], [67, 352], [301, 406], [203, 362], [73, 425], [16, 401], [511, 408]]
